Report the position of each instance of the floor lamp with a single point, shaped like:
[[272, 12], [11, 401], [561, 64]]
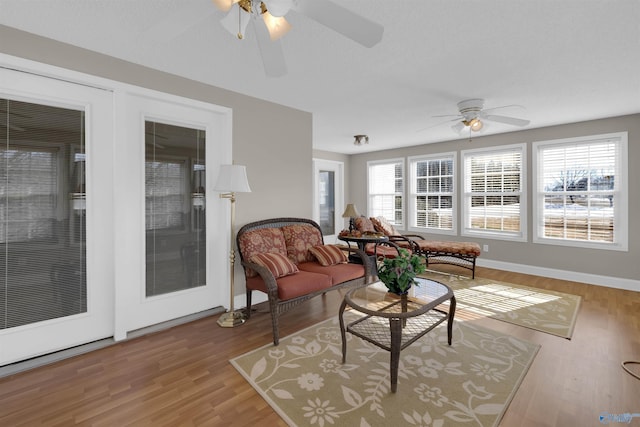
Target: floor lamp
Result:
[[232, 180]]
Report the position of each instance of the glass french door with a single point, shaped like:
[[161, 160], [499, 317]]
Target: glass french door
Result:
[[175, 222], [170, 148], [52, 294]]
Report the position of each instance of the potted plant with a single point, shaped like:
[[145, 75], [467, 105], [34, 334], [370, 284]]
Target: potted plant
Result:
[[399, 273]]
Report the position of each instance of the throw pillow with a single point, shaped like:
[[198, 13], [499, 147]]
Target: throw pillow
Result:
[[299, 238], [383, 226], [363, 224], [328, 254], [278, 264]]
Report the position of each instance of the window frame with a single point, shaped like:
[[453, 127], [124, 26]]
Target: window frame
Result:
[[620, 191], [413, 193], [370, 211], [466, 194]]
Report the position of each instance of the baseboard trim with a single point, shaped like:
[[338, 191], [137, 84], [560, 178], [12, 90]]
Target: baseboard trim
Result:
[[592, 279]]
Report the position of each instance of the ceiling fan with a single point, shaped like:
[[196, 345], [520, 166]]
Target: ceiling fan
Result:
[[274, 26], [473, 115]]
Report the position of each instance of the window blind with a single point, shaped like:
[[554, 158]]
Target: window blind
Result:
[[42, 233]]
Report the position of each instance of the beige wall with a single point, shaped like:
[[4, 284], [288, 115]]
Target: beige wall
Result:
[[273, 141], [616, 264]]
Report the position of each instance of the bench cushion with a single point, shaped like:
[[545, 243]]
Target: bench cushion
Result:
[[294, 285], [338, 273], [460, 248]]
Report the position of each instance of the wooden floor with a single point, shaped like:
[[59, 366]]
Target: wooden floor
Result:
[[182, 376]]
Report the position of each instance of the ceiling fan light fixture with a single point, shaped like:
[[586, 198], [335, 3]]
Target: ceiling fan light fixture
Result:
[[476, 124], [224, 5], [360, 139], [277, 26]]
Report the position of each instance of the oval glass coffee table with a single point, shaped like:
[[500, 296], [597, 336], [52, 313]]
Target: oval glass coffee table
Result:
[[394, 322]]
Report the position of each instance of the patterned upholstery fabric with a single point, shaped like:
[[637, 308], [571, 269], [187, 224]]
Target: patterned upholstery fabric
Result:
[[278, 264], [265, 240], [328, 254], [462, 248], [362, 224], [383, 226], [299, 238]]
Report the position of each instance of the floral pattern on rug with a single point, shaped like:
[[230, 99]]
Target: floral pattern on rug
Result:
[[539, 309], [469, 383]]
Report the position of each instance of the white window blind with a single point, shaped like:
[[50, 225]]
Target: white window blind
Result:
[[175, 189], [494, 192], [433, 192], [578, 191], [386, 186], [165, 185], [42, 232]]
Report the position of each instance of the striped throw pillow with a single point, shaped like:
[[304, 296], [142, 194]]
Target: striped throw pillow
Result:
[[278, 264], [328, 254]]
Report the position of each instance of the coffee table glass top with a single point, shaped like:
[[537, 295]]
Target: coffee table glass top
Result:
[[374, 299]]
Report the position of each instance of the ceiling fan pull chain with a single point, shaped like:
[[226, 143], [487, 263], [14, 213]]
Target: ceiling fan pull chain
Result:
[[240, 36]]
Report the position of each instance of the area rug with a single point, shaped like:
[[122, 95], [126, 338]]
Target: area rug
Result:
[[469, 383], [543, 310]]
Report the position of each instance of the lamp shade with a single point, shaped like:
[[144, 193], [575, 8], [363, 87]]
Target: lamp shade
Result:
[[350, 211], [232, 179]]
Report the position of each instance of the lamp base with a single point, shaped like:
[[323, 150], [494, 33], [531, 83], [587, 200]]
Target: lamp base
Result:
[[231, 319]]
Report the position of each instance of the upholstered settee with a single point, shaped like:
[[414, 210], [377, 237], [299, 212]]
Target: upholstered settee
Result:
[[461, 254], [286, 258]]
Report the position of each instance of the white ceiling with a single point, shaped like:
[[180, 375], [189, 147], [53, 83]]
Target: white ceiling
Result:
[[563, 61]]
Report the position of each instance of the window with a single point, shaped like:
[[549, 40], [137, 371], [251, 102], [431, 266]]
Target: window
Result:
[[494, 192], [386, 183], [581, 195], [175, 204], [432, 192], [42, 213]]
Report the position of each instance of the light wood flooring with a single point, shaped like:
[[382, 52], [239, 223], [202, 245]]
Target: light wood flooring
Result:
[[182, 376]]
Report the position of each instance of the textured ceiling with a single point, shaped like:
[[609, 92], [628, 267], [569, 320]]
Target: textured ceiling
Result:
[[563, 61]]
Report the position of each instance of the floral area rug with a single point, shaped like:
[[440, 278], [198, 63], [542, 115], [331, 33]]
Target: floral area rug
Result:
[[543, 310], [469, 383]]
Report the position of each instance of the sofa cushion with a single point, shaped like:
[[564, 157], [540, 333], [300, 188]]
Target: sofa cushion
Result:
[[279, 265], [299, 238], [262, 240], [339, 273], [294, 285], [328, 254]]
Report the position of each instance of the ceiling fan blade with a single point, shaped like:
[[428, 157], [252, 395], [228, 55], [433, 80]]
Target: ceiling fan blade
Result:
[[458, 127], [174, 24], [236, 21], [271, 52], [342, 20], [278, 8], [506, 120], [224, 5]]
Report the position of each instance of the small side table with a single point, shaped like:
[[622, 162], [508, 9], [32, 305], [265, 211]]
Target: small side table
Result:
[[362, 242], [409, 318]]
